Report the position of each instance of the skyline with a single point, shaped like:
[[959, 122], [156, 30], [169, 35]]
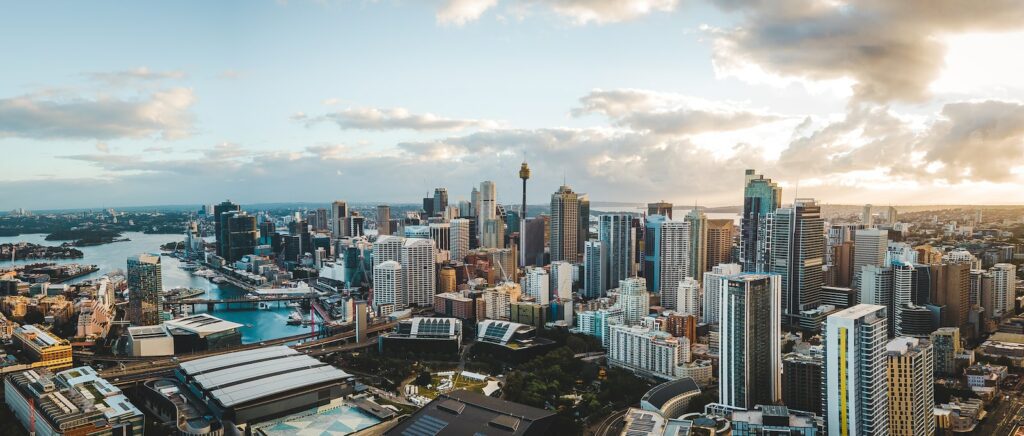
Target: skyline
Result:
[[640, 100]]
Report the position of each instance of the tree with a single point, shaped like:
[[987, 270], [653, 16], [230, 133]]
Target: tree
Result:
[[423, 379]]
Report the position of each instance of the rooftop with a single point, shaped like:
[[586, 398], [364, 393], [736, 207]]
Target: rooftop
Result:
[[245, 376], [664, 392], [467, 413], [202, 324]]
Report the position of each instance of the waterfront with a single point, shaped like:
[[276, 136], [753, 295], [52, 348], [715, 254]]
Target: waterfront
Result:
[[258, 324]]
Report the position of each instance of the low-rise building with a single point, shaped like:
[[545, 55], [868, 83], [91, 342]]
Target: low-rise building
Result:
[[771, 420], [984, 379], [72, 402], [467, 413], [423, 335], [598, 323], [1009, 345], [647, 352], [670, 399], [510, 340], [461, 305], [958, 415], [202, 332], [150, 340], [45, 349], [253, 386], [529, 313]]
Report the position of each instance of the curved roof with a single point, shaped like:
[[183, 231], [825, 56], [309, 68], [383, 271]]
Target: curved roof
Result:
[[661, 394]]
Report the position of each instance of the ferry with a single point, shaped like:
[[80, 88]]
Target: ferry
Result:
[[295, 318], [190, 266]]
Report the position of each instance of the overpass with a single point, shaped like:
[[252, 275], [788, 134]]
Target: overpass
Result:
[[244, 301]]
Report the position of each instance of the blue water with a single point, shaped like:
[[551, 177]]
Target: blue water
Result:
[[258, 324]]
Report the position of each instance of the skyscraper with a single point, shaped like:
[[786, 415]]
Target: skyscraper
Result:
[[713, 288], [866, 218], [441, 234], [384, 220], [750, 335], [593, 260], [801, 383], [666, 257], [524, 174], [868, 249], [493, 232], [388, 286], [946, 347], [616, 234], [698, 243], [387, 248], [459, 234], [537, 284], [689, 296], [419, 272], [857, 402], [219, 231], [145, 283], [911, 382], [798, 254], [761, 196], [241, 235], [952, 291], [660, 208], [440, 201], [583, 222], [877, 288], [633, 300], [720, 233], [1003, 283], [488, 207], [339, 211], [565, 211], [561, 279]]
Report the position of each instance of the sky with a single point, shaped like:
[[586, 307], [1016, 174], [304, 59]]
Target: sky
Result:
[[107, 104]]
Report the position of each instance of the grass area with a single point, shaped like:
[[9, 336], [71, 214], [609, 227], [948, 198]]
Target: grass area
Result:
[[460, 383]]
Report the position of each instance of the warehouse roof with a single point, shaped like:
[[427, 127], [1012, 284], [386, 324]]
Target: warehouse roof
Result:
[[237, 378]]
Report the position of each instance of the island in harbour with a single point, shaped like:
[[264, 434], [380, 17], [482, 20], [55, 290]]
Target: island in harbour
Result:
[[29, 251]]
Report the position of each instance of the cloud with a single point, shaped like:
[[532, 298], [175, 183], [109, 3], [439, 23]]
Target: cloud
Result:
[[890, 50], [391, 119], [102, 147], [164, 114], [460, 12], [977, 141], [580, 12], [141, 74], [669, 114]]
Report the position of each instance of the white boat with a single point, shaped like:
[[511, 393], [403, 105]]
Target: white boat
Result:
[[294, 305], [295, 318]]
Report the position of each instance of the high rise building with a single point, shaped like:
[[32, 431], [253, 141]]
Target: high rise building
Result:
[[698, 243], [561, 279], [713, 288], [598, 323], [634, 300], [440, 201], [219, 230], [616, 234], [493, 233], [593, 265], [582, 221], [866, 217], [1003, 284], [911, 387], [720, 233], [877, 288], [750, 341], [565, 209], [946, 347], [441, 233], [856, 387], [354, 224], [487, 209], [384, 220], [241, 235], [801, 381], [869, 248], [339, 211], [388, 287], [145, 283], [537, 285], [660, 208], [666, 257], [532, 240], [459, 243], [689, 296], [761, 196], [419, 272], [387, 248], [798, 254], [649, 352]]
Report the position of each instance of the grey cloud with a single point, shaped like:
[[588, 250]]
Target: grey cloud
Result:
[[669, 114], [163, 114], [978, 140], [391, 119], [890, 48]]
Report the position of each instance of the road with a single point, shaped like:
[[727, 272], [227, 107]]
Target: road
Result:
[[612, 425], [1003, 418]]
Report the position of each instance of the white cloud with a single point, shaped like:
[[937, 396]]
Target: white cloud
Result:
[[580, 12], [392, 119], [165, 114], [460, 12]]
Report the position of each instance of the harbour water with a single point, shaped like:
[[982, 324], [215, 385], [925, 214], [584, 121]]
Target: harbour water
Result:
[[258, 324]]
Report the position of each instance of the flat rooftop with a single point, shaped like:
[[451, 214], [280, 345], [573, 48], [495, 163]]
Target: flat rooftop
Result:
[[245, 376], [202, 324]]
